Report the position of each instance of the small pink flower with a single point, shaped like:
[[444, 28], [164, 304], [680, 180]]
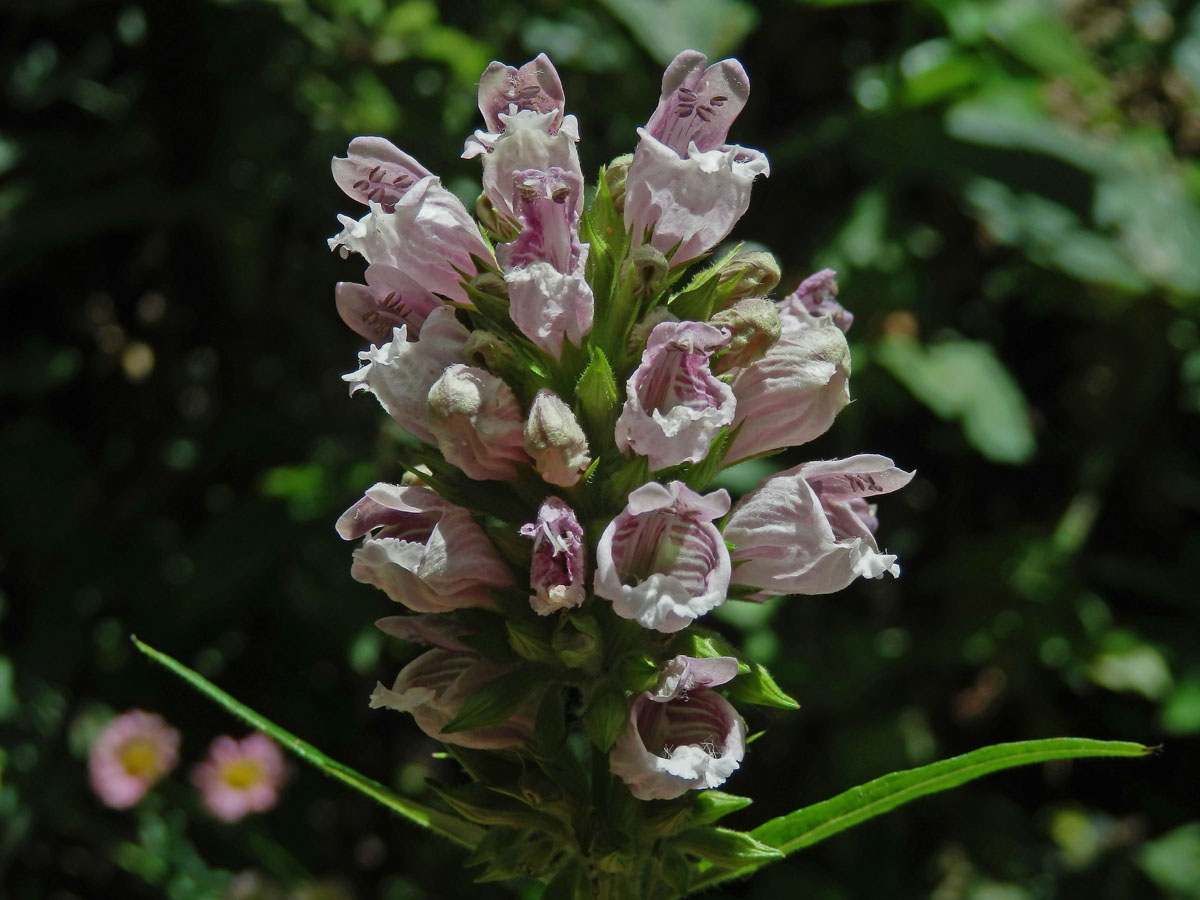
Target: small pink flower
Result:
[[477, 423], [387, 301], [434, 686], [401, 372], [681, 736], [505, 89], [686, 188], [793, 393], [661, 561], [429, 235], [240, 777], [129, 755], [559, 558], [808, 529], [549, 297], [421, 550], [676, 406], [815, 302]]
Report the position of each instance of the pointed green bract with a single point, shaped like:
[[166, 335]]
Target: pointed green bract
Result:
[[812, 824], [464, 833]]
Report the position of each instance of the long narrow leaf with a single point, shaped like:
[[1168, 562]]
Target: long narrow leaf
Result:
[[448, 826], [807, 826]]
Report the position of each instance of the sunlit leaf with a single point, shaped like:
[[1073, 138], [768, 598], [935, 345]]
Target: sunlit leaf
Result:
[[664, 27]]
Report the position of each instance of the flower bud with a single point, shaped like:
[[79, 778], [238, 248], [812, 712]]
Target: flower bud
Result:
[[640, 333], [555, 441], [614, 179], [647, 267], [753, 273], [755, 326], [476, 421], [501, 228]]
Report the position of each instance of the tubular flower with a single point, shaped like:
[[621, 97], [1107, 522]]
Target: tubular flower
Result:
[[681, 736], [662, 562], [240, 777], [427, 233], [401, 372], [792, 394], [676, 406], [433, 688], [815, 302], [129, 755], [549, 297], [555, 441], [809, 530], [422, 551], [686, 188], [477, 423], [559, 558]]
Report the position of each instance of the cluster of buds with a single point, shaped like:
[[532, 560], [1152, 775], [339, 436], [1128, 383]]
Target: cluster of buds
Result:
[[569, 393]]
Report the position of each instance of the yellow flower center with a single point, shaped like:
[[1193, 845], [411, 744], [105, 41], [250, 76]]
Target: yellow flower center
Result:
[[242, 773], [141, 758]]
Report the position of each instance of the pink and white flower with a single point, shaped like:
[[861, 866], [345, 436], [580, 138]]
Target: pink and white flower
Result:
[[240, 777], [401, 372], [661, 561], [506, 89], [559, 558], [129, 755], [794, 392], [433, 688], [555, 440], [477, 423], [549, 297], [681, 736], [421, 550], [428, 234], [809, 530], [686, 188], [676, 406], [815, 302]]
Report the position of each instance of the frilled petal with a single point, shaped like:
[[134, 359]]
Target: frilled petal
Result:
[[685, 674], [675, 406], [430, 236], [692, 202], [559, 558], [808, 529], [401, 372], [549, 306], [421, 550], [505, 89], [376, 171], [433, 688], [672, 746], [529, 140], [699, 102], [477, 423], [555, 440], [661, 561], [793, 393], [389, 299]]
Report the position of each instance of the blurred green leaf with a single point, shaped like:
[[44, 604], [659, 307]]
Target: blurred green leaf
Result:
[[1173, 862], [964, 381], [1181, 711], [665, 27]]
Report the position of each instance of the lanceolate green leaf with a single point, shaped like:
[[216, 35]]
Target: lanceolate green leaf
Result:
[[812, 824], [448, 826]]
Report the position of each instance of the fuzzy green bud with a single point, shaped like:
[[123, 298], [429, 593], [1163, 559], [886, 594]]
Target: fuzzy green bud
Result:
[[750, 274], [614, 178], [755, 325]]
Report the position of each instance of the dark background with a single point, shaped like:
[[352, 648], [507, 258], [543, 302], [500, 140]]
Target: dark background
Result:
[[1009, 192]]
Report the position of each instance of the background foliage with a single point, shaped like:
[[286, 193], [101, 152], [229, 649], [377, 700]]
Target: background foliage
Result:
[[1010, 193]]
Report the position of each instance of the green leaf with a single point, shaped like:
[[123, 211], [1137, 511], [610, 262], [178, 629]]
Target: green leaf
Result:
[[964, 380], [496, 701], [487, 807], [1173, 861], [606, 716], [663, 27], [725, 848], [447, 826], [812, 824]]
